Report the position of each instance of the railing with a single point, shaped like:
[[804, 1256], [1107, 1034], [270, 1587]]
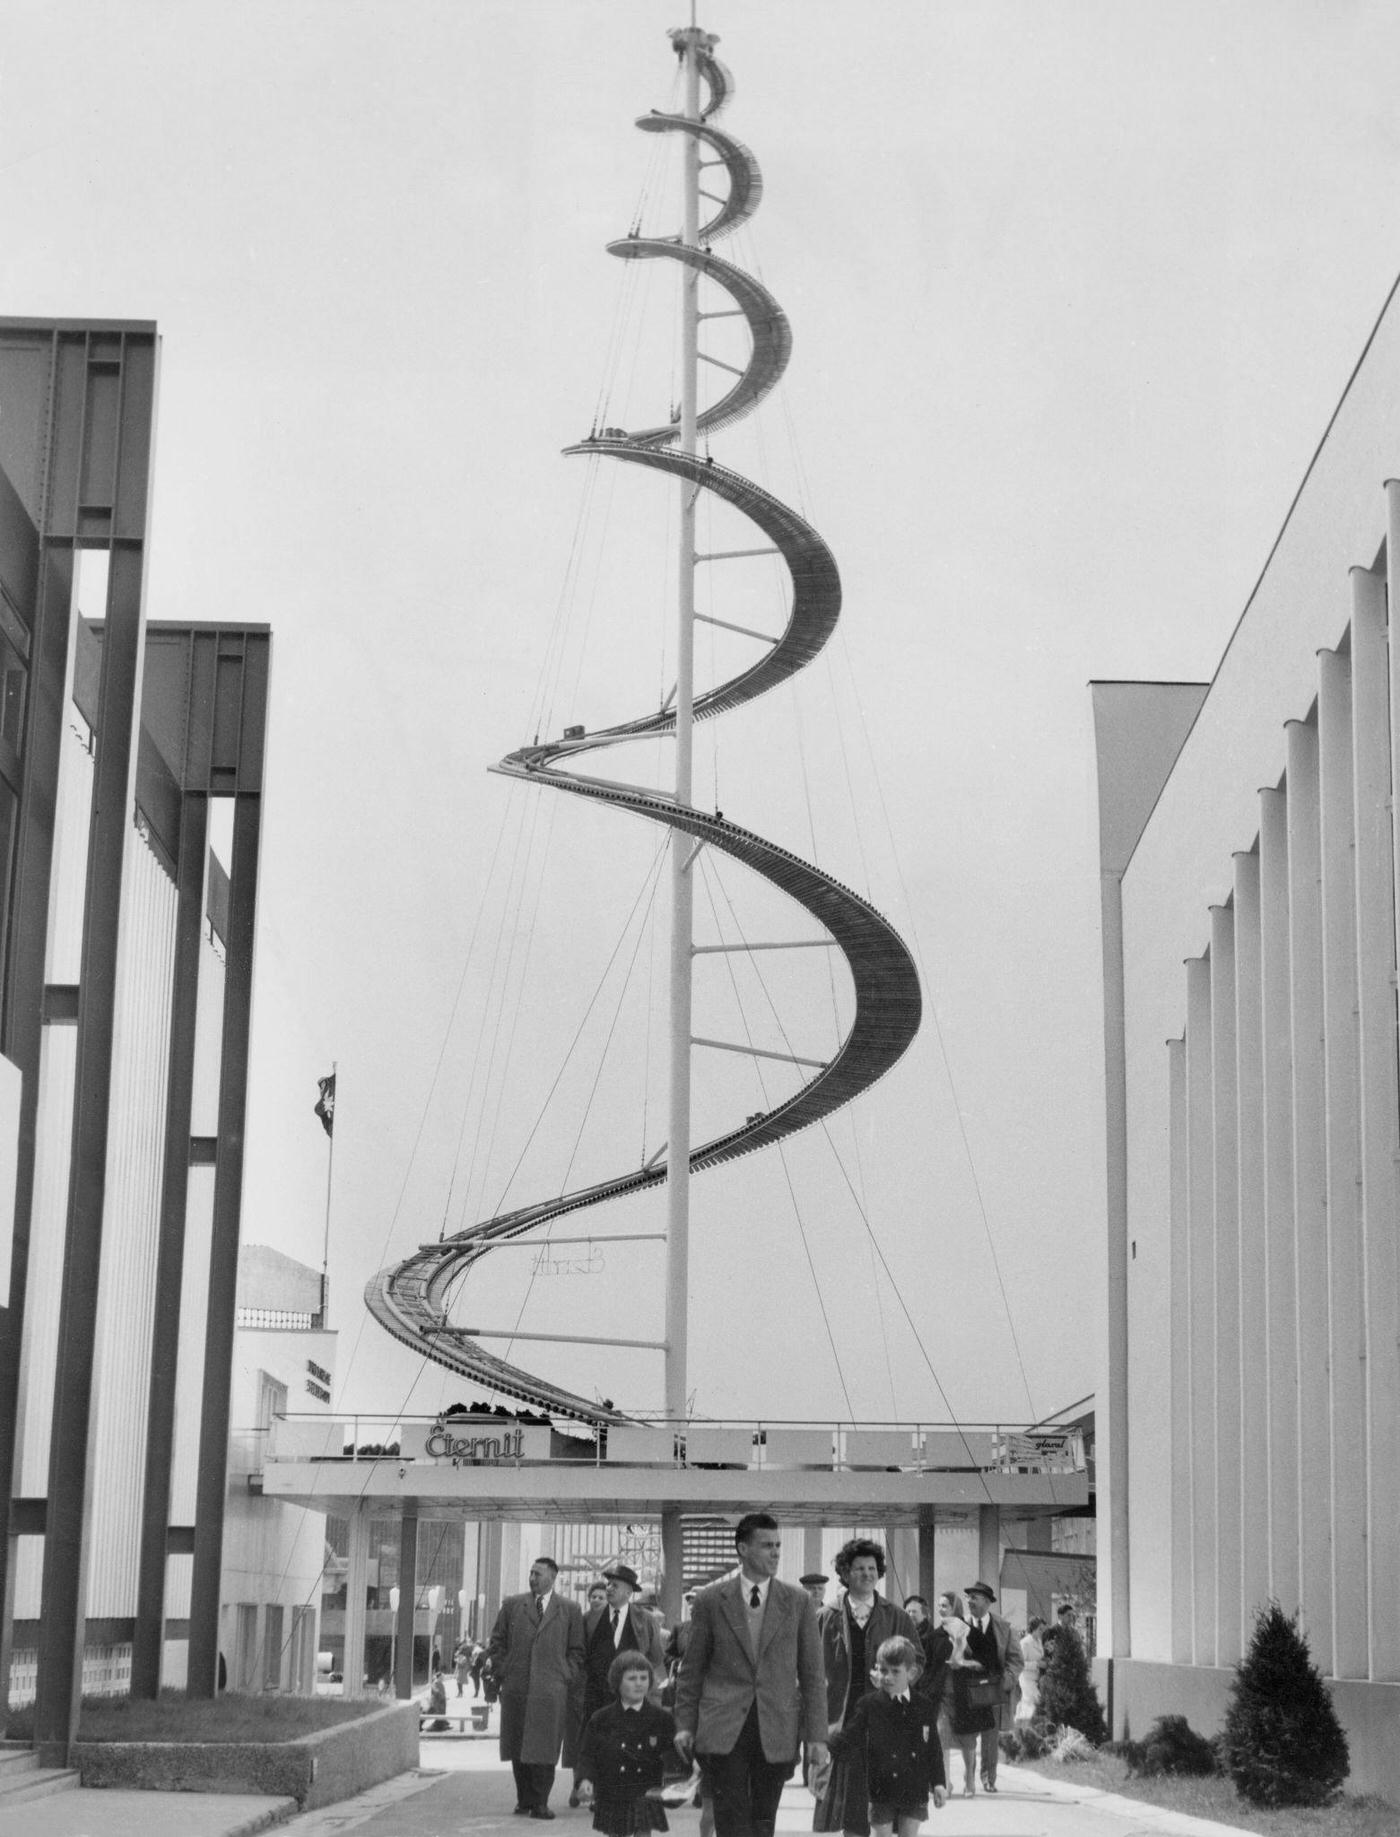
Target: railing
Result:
[[291, 1320], [483, 1440]]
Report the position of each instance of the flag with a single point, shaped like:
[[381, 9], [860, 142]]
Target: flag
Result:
[[325, 1104]]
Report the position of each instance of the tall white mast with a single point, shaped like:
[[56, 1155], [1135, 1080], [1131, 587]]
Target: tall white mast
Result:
[[689, 42]]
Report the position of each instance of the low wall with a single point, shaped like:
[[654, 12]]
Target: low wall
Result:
[[314, 1769], [1369, 1713]]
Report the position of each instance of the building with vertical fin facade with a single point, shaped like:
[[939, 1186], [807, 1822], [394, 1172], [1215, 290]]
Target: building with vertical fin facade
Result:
[[131, 762], [1250, 1418]]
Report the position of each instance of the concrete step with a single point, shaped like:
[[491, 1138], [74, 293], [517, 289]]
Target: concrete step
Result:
[[16, 1760], [36, 1783]]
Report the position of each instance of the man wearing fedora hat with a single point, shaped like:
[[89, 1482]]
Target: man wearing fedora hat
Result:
[[989, 1642], [617, 1626]]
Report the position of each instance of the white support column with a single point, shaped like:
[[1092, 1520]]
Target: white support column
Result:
[[989, 1545], [1254, 1357], [1115, 1567], [1282, 1301], [1382, 1248], [1309, 1191], [902, 1549], [1179, 1256], [1380, 1108], [1200, 1199], [1342, 1049], [812, 1550], [352, 1665], [682, 880], [1225, 1142]]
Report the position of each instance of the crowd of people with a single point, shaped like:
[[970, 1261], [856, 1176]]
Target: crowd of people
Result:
[[873, 1699]]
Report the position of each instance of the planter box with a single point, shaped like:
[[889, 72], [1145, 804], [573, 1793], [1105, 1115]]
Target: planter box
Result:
[[313, 1769]]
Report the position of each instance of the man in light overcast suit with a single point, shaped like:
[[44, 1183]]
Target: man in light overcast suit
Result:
[[751, 1687], [536, 1651]]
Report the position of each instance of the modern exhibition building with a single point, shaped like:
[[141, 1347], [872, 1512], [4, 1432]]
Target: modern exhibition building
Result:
[[131, 776], [1250, 1421]]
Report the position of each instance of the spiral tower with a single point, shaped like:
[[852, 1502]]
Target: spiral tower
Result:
[[411, 1299]]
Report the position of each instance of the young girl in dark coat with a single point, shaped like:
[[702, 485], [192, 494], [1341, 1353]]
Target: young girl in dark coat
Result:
[[897, 1730], [626, 1748]]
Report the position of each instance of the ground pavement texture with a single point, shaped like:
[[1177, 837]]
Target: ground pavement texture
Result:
[[463, 1790], [473, 1796]]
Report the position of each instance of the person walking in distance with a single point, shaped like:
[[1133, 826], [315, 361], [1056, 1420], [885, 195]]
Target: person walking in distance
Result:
[[751, 1687], [991, 1645], [536, 1652], [615, 1625]]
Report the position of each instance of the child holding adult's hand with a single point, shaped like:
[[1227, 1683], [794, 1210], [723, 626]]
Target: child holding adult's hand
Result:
[[898, 1733]]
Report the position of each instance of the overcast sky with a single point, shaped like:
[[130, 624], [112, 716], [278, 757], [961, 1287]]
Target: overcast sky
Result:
[[1074, 289]]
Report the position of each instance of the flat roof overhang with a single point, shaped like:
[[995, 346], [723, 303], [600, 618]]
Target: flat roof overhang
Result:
[[554, 1490]]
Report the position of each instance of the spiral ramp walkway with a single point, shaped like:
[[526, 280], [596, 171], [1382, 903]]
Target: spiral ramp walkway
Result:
[[411, 1299]]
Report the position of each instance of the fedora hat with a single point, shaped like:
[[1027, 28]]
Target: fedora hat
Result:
[[620, 1572], [980, 1588]]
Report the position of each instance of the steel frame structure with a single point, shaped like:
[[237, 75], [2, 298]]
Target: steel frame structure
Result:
[[75, 465], [411, 1298]]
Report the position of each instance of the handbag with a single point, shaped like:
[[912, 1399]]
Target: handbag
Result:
[[984, 1693]]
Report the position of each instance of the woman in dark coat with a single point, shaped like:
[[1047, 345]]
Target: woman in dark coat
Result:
[[944, 1648], [965, 1720], [852, 1632]]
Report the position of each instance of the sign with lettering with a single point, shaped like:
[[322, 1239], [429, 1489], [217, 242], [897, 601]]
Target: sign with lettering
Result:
[[475, 1441]]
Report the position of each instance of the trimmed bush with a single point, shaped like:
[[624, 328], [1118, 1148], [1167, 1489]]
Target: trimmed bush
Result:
[[1068, 1698], [1170, 1746], [1283, 1742], [1025, 1742]]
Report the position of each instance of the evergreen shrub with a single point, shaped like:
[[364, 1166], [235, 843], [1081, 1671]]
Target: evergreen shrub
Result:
[[1283, 1743], [1068, 1698], [1171, 1745]]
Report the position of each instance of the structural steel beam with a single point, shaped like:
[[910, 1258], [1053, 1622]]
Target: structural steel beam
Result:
[[223, 1257], [170, 1255], [28, 554], [408, 1598], [111, 513]]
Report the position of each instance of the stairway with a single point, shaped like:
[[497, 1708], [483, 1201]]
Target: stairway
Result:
[[21, 1776]]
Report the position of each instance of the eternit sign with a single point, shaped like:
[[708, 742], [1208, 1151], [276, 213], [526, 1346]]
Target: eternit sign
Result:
[[476, 1441]]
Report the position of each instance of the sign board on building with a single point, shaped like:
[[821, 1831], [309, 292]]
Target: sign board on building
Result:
[[475, 1441]]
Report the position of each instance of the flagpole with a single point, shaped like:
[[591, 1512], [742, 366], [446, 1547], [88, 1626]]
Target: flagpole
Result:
[[326, 1240]]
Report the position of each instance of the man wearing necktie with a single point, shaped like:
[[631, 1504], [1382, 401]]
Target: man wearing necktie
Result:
[[616, 1625], [751, 1687], [989, 1641], [536, 1651]]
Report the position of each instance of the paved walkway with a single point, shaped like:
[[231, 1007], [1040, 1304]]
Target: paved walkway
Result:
[[473, 1796], [463, 1790], [81, 1813]]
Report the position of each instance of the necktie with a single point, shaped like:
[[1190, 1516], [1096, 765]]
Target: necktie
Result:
[[539, 1607], [753, 1595], [617, 1622]]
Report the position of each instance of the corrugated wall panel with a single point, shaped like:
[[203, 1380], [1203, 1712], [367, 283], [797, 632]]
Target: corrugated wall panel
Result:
[[190, 1380], [208, 1039], [57, 1070], [72, 819], [178, 1570], [131, 1224]]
